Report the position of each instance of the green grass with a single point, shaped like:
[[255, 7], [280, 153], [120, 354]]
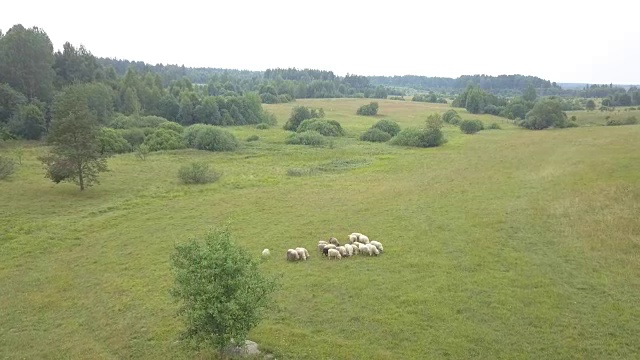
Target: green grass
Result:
[[503, 244], [598, 118]]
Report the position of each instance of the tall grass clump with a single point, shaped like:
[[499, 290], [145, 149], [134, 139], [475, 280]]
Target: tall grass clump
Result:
[[7, 167], [311, 138], [197, 173]]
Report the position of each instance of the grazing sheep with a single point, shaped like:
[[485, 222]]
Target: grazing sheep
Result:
[[325, 251], [302, 252], [342, 250], [373, 250], [321, 247], [356, 234], [356, 244], [363, 239], [377, 244], [352, 238], [334, 254], [356, 250], [331, 246], [334, 241], [349, 249], [266, 253], [292, 255], [322, 242], [363, 249]]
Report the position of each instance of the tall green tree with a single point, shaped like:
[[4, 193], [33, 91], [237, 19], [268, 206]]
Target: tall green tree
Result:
[[530, 94], [28, 122], [26, 59], [545, 113], [75, 65], [130, 102], [10, 101], [75, 138]]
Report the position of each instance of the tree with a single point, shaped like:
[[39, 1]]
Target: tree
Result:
[[28, 122], [545, 113], [220, 290], [10, 101], [74, 135], [475, 101], [130, 102], [26, 59], [591, 105], [529, 93]]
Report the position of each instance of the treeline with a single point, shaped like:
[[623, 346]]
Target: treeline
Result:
[[29, 89], [612, 95], [495, 84]]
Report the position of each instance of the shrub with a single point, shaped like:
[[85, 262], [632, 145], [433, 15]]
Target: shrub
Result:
[[189, 134], [375, 135], [492, 109], [142, 152], [448, 115], [471, 126], [7, 167], [163, 139], [324, 127], [631, 120], [121, 121], [197, 173], [253, 138], [262, 126], [220, 289], [419, 137], [150, 121], [572, 124], [268, 119], [212, 138], [494, 126], [111, 142], [368, 110], [311, 138], [545, 113], [134, 137], [400, 98], [389, 126], [173, 126], [300, 114]]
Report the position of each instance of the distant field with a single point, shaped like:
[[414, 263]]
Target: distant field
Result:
[[500, 245], [597, 117]]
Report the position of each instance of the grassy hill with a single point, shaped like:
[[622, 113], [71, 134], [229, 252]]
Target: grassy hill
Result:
[[504, 244]]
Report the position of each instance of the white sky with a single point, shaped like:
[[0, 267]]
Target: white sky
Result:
[[562, 41]]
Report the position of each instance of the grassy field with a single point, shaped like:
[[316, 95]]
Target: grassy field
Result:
[[509, 244], [598, 118]]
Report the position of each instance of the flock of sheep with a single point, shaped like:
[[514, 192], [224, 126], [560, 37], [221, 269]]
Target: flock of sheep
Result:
[[357, 244]]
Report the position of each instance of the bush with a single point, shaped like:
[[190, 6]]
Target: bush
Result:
[[197, 173], [7, 167], [268, 119], [163, 139], [111, 142], [300, 114], [253, 138], [494, 126], [173, 126], [212, 138], [134, 137], [572, 124], [375, 135], [389, 126], [324, 127], [448, 115], [368, 110], [142, 152], [311, 138], [545, 113], [262, 126], [150, 121], [419, 138], [220, 289], [471, 126], [631, 120], [189, 134]]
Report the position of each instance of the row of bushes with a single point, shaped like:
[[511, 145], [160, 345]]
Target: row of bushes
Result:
[[631, 120]]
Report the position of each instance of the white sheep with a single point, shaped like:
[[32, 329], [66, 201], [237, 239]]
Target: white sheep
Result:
[[363, 249], [349, 249], [322, 242], [363, 239], [377, 244], [334, 254], [321, 247], [342, 250], [352, 238], [356, 249], [334, 241], [302, 252], [330, 246], [373, 250], [266, 253], [292, 255]]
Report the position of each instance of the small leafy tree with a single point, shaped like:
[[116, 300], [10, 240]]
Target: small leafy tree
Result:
[[545, 113], [142, 152], [368, 110], [591, 105], [220, 290]]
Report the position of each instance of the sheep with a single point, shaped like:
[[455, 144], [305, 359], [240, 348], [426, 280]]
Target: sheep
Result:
[[325, 251], [292, 255], [349, 249], [266, 253], [342, 250], [303, 253], [334, 241], [331, 246], [363, 249], [356, 244], [352, 238], [356, 250], [334, 254], [322, 242], [321, 247], [363, 239], [377, 244], [373, 250]]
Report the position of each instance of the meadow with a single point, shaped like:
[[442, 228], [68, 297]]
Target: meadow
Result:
[[506, 244]]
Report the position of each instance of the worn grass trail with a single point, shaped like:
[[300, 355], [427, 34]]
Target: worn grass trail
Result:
[[504, 244]]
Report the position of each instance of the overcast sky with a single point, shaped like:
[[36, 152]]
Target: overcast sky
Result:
[[561, 40]]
